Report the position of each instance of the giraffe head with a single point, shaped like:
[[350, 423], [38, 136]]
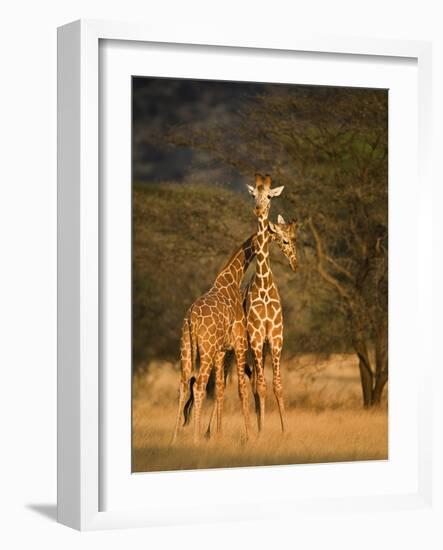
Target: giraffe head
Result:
[[285, 235], [263, 194]]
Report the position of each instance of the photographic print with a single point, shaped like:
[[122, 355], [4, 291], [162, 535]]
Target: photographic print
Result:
[[259, 274]]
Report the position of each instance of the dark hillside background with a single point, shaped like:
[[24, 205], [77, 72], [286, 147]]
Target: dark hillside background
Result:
[[160, 105]]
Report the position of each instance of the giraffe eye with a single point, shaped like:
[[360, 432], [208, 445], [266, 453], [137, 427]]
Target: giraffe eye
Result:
[[285, 241]]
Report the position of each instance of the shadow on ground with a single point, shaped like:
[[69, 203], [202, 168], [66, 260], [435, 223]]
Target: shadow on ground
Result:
[[48, 511]]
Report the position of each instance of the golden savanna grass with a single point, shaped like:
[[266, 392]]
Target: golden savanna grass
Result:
[[325, 418]]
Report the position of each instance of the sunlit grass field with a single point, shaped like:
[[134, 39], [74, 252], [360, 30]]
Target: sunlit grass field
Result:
[[325, 418]]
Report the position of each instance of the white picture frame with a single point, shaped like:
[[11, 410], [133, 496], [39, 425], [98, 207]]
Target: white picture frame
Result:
[[79, 202]]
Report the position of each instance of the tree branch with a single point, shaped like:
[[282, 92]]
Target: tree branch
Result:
[[340, 268], [321, 258]]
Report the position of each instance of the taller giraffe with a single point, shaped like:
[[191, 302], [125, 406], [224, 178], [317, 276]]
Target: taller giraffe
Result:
[[285, 236], [263, 306]]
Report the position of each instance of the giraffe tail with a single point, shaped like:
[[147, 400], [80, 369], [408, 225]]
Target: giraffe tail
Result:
[[248, 371]]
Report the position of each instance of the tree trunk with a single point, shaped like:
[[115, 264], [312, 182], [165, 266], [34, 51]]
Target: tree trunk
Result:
[[366, 375], [378, 388], [366, 378], [373, 378], [381, 361], [372, 386]]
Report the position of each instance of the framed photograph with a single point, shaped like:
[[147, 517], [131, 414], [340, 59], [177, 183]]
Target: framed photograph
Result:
[[241, 223]]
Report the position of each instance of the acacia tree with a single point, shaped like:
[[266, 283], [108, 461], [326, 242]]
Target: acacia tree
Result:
[[329, 147]]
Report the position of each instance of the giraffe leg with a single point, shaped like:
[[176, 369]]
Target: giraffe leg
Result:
[[183, 390], [277, 384], [213, 413], [219, 388], [200, 393], [240, 355], [186, 370], [219, 394], [259, 385]]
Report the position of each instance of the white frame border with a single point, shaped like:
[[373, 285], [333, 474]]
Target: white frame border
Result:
[[78, 256]]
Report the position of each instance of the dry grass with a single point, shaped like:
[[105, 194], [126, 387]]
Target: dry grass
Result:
[[325, 418]]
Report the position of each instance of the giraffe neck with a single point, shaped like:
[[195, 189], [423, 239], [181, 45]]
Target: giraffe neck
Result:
[[237, 265], [263, 267]]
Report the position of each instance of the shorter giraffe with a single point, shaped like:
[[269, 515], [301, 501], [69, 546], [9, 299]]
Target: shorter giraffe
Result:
[[263, 305], [214, 324]]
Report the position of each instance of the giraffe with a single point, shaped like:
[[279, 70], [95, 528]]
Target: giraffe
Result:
[[214, 323], [263, 306], [206, 331], [284, 235]]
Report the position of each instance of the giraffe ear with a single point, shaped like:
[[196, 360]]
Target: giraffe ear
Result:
[[276, 192], [252, 190], [281, 220], [272, 227]]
